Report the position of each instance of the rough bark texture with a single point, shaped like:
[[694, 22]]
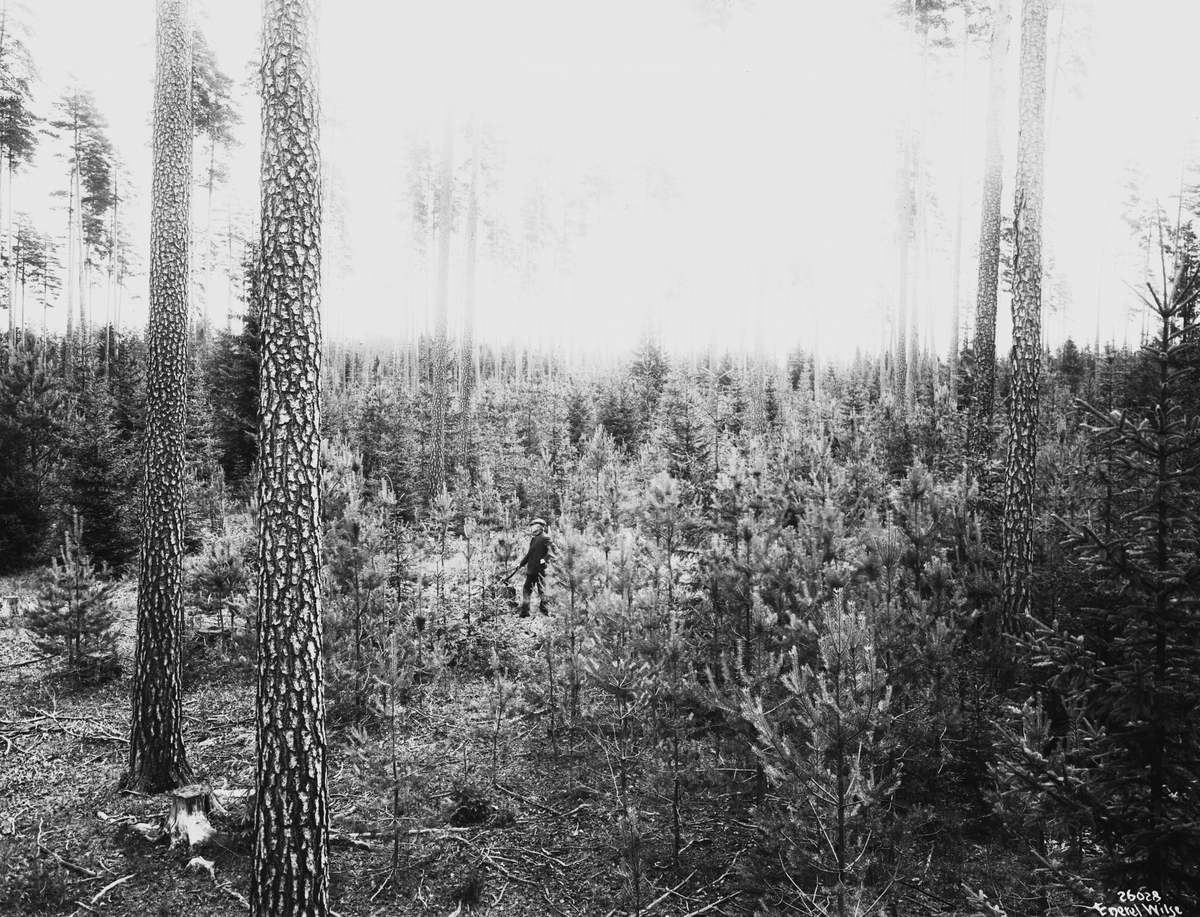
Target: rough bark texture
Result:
[[157, 759], [1019, 466], [291, 811], [989, 242], [441, 388]]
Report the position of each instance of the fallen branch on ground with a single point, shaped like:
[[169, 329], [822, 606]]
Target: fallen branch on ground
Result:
[[537, 805], [709, 907], [67, 864]]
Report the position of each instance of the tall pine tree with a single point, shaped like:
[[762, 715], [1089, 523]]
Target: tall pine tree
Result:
[[291, 809], [157, 759], [1021, 463]]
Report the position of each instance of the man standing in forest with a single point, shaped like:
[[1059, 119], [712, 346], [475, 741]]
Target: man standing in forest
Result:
[[534, 562]]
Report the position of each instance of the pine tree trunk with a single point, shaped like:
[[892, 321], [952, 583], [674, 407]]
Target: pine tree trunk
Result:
[[904, 234], [1019, 467], [291, 810], [157, 759], [69, 342], [467, 354], [208, 253], [440, 386], [955, 305], [989, 242], [113, 279], [912, 376], [80, 258], [6, 210]]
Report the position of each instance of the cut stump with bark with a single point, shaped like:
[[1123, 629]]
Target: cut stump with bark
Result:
[[188, 821]]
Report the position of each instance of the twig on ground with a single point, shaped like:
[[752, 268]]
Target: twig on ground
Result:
[[500, 897], [109, 887], [386, 881], [537, 805], [557, 909], [927, 894], [709, 907], [719, 879], [238, 896], [74, 867], [488, 857], [21, 665], [30, 727], [667, 894]]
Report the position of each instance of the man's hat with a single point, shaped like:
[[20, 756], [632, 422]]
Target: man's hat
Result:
[[541, 522]]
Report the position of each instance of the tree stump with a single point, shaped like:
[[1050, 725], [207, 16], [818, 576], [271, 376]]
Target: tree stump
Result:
[[188, 821], [9, 606]]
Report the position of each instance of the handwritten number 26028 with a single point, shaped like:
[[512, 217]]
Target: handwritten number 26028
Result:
[[1126, 897]]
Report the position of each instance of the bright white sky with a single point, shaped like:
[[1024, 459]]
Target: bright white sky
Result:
[[744, 161]]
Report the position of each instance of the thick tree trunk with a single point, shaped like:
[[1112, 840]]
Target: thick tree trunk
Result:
[[989, 242], [157, 759], [291, 810], [440, 383], [1019, 467]]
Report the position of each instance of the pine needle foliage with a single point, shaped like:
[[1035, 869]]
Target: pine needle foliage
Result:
[[828, 748], [73, 619], [1120, 765]]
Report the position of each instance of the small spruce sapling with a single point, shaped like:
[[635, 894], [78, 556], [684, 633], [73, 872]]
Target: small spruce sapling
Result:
[[1125, 651], [441, 514], [356, 569], [220, 582], [469, 549]]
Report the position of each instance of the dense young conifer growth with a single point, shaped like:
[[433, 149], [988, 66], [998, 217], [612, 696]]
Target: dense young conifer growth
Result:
[[815, 635]]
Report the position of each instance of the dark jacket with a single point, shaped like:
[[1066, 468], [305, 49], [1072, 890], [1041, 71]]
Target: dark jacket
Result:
[[537, 556]]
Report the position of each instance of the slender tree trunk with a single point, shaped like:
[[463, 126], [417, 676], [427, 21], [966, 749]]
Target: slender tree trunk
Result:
[[956, 289], [113, 274], [6, 211], [441, 389], [69, 342], [208, 253], [1020, 465], [469, 369], [920, 261], [904, 233], [80, 258], [12, 306], [157, 759], [989, 241], [291, 810]]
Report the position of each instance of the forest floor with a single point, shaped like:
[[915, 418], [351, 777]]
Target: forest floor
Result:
[[523, 826]]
